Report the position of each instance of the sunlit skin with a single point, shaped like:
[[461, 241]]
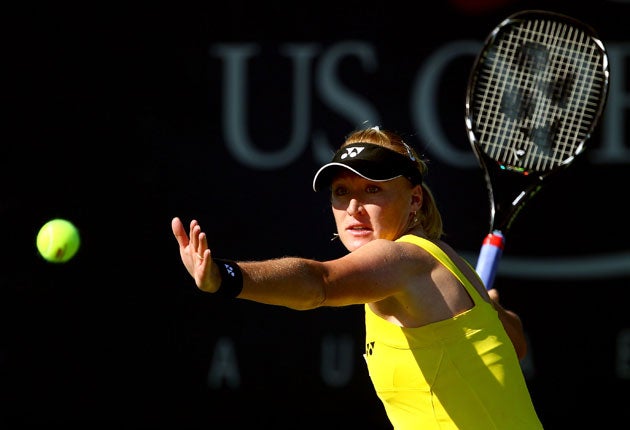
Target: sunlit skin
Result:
[[365, 210]]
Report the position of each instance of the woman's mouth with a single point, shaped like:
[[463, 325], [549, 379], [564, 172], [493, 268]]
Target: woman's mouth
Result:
[[359, 230]]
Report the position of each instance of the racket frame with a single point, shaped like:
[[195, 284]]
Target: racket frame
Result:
[[502, 179]]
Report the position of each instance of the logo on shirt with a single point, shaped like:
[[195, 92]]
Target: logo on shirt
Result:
[[369, 348]]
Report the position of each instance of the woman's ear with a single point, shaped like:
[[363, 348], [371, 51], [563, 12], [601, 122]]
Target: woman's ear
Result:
[[417, 197]]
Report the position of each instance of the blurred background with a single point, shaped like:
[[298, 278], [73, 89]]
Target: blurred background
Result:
[[119, 118]]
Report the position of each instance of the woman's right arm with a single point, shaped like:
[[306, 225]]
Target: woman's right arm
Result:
[[368, 274]]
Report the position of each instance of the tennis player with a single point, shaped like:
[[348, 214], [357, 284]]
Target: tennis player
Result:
[[441, 353]]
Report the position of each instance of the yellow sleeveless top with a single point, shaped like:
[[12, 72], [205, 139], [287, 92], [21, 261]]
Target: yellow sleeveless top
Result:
[[460, 373]]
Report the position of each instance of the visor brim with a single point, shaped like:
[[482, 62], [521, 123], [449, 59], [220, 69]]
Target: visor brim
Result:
[[367, 169]]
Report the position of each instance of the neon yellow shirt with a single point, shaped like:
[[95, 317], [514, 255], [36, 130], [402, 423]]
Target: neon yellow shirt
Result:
[[460, 373]]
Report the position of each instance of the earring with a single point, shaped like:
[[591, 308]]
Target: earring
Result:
[[415, 217], [335, 236]]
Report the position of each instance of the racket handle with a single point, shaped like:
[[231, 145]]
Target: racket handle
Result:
[[489, 256]]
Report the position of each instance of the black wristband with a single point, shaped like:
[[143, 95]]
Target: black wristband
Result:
[[231, 278]]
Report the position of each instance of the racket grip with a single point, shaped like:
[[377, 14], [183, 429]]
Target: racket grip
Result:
[[489, 257]]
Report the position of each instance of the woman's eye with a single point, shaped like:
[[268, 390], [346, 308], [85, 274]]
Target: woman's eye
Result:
[[340, 191], [372, 189]]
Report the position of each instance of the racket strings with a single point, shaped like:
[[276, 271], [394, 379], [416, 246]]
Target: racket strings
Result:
[[538, 93], [580, 111]]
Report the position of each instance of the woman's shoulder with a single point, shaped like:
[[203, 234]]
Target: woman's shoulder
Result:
[[440, 251], [396, 252], [436, 248]]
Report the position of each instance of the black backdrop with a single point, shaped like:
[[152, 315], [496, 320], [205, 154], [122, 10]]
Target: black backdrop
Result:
[[118, 118]]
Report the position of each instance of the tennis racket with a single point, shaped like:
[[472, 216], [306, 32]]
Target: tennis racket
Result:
[[535, 94]]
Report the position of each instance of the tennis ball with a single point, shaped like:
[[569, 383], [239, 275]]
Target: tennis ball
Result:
[[58, 240]]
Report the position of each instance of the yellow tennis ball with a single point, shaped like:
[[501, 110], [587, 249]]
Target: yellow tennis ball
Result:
[[58, 240]]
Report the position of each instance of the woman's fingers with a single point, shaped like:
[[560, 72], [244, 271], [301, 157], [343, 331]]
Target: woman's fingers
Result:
[[179, 232]]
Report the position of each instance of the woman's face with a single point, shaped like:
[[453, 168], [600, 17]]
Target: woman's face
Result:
[[365, 210]]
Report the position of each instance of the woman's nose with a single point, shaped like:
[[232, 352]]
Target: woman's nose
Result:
[[354, 207]]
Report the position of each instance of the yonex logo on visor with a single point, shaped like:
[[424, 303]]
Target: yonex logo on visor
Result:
[[352, 152], [370, 161]]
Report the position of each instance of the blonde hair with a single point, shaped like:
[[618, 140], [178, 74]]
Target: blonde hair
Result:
[[430, 217]]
